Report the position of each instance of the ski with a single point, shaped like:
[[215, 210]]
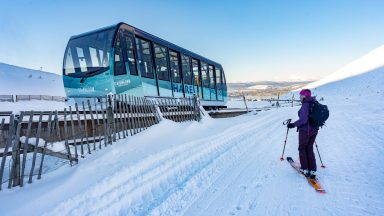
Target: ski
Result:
[[313, 182]]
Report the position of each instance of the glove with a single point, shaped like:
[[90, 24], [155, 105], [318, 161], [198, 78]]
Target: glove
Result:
[[291, 125]]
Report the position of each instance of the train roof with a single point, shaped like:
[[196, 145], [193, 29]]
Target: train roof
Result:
[[151, 37]]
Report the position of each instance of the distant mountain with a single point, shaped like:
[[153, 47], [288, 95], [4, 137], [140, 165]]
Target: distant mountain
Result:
[[18, 80], [262, 84], [262, 89]]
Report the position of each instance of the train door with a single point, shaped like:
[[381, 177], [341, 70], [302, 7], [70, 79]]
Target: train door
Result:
[[126, 77], [146, 67], [196, 78], [219, 82], [205, 81], [224, 86], [212, 80], [174, 62], [162, 71], [186, 70]]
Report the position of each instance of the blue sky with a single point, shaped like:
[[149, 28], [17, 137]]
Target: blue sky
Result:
[[253, 40]]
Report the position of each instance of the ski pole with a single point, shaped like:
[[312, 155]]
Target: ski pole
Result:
[[322, 165], [286, 136]]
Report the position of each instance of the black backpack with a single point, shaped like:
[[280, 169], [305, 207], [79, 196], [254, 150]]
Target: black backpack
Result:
[[318, 114]]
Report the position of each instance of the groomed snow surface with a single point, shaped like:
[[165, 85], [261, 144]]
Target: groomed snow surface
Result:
[[229, 166], [220, 167]]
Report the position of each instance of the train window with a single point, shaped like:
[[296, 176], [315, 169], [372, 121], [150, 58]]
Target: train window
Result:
[[175, 67], [218, 79], [195, 69], [94, 57], [82, 62], [186, 69], [161, 62], [144, 58], [131, 55], [70, 67], [224, 83], [119, 60], [212, 77], [89, 54], [204, 74]]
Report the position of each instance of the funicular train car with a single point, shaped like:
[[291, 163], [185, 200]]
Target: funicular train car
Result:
[[122, 59]]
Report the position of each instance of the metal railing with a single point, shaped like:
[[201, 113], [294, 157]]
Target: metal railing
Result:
[[16, 98]]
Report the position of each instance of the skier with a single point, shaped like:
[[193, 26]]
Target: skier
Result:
[[307, 135]]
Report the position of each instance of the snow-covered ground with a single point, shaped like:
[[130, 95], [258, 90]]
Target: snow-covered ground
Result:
[[219, 167], [229, 166], [37, 105], [234, 104]]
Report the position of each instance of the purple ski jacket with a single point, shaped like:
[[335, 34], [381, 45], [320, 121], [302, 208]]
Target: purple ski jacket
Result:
[[303, 123]]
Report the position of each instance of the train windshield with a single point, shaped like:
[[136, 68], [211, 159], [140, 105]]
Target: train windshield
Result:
[[89, 54]]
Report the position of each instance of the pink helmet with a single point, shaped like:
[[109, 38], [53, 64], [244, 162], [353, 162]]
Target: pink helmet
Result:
[[305, 92]]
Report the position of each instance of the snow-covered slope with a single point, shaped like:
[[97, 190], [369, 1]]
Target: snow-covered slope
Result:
[[16, 80], [362, 77], [229, 166]]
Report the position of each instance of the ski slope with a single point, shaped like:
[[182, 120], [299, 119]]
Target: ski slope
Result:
[[219, 167], [16, 80], [229, 166]]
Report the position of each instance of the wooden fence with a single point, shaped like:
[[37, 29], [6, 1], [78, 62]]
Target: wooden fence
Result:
[[27, 138]]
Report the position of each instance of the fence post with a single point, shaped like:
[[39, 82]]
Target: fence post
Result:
[[25, 150], [144, 113], [245, 102], [149, 112], [185, 100], [121, 119], [72, 131], [98, 122], [123, 114], [127, 108], [116, 117], [86, 128], [35, 148], [190, 108], [93, 125], [66, 137], [105, 126], [110, 121], [137, 108], [156, 111], [177, 111], [7, 145], [45, 144], [131, 111], [80, 127], [196, 108]]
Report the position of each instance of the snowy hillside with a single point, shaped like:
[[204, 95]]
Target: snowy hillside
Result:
[[362, 77], [16, 80], [230, 166]]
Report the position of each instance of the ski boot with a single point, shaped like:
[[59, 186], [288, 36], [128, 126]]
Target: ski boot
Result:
[[312, 175], [305, 172]]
